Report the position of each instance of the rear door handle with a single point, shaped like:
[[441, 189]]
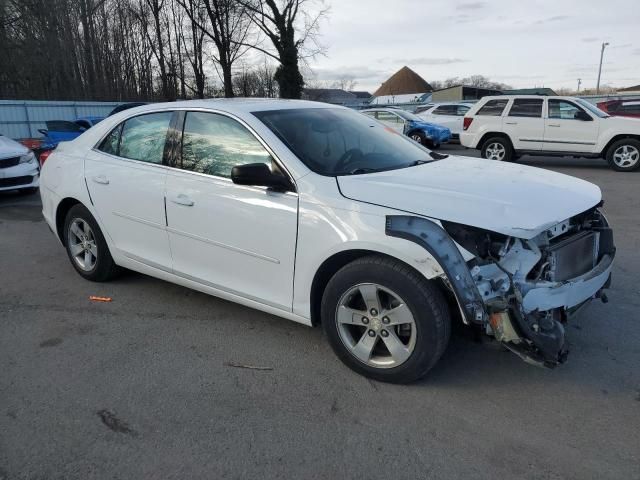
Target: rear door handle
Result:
[[511, 123], [183, 199], [101, 179], [553, 124]]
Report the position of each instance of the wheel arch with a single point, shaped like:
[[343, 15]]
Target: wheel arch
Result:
[[61, 213], [488, 135], [330, 267], [614, 139]]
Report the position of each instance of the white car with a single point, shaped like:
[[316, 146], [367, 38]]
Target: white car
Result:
[[19, 169], [448, 115], [506, 127], [322, 215]]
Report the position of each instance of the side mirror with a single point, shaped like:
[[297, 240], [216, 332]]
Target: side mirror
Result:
[[584, 116], [259, 174]]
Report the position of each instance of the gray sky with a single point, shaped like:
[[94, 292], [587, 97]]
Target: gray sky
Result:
[[530, 43]]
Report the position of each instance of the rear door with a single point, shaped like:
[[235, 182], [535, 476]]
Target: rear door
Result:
[[565, 131], [524, 123], [239, 239], [126, 178]]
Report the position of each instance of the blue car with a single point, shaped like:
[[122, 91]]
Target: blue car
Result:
[[428, 134], [63, 130]]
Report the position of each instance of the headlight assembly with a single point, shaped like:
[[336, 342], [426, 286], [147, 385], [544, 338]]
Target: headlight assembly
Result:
[[28, 158]]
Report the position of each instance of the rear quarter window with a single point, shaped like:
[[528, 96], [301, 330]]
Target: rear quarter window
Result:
[[493, 108]]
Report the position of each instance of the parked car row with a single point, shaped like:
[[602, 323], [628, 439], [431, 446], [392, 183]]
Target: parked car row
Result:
[[506, 127], [428, 134]]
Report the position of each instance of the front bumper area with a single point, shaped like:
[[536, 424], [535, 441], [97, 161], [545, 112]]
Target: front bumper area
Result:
[[24, 175]]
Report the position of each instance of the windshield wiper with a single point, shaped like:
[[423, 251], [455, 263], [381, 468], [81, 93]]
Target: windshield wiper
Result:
[[358, 171]]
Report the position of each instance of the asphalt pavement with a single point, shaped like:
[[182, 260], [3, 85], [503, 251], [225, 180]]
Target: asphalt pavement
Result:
[[151, 385]]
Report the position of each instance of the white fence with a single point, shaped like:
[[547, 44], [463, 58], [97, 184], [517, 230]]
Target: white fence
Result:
[[23, 118]]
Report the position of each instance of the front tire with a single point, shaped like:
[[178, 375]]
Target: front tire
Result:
[[624, 155], [384, 320], [86, 246], [497, 148]]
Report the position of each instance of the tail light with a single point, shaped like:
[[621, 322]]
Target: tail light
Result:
[[466, 122], [43, 157]]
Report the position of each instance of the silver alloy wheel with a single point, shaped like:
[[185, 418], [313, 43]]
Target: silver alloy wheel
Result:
[[626, 156], [376, 325], [416, 137], [82, 244], [495, 151]]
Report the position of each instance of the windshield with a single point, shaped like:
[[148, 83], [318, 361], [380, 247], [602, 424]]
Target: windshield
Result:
[[338, 141], [592, 108]]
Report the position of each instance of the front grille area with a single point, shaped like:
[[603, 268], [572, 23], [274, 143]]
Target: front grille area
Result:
[[9, 162], [15, 181]]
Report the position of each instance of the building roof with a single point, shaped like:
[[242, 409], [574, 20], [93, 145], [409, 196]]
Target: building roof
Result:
[[467, 86], [404, 81], [635, 88], [360, 94]]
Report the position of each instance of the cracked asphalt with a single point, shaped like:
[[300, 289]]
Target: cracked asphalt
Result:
[[149, 386]]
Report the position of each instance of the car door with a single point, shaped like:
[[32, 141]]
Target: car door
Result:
[[524, 123], [126, 177], [569, 128], [445, 115], [391, 120], [239, 239]]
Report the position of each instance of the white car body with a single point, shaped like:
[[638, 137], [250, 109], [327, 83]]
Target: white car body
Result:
[[268, 249], [448, 115], [18, 166], [547, 133]]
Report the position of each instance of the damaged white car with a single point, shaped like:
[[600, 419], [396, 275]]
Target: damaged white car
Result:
[[322, 215]]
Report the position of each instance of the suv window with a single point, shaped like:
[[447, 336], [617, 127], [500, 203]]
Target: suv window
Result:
[[445, 110], [461, 110], [213, 144], [493, 108], [143, 137], [563, 110], [526, 107]]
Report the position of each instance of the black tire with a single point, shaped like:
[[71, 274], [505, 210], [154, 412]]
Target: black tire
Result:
[[425, 301], [28, 191], [503, 143], [632, 144], [105, 268], [418, 137]]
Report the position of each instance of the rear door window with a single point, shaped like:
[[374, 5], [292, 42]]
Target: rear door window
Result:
[[493, 108], [526, 107], [143, 137], [630, 108]]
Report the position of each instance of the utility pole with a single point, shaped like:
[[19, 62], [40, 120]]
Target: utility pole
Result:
[[604, 44], [579, 82]]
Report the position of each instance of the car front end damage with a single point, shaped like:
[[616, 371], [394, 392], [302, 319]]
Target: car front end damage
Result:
[[520, 291]]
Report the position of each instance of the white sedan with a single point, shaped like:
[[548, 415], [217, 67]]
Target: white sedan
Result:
[[448, 115], [19, 169], [322, 215]]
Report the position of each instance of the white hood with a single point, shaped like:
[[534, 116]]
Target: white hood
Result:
[[502, 197], [11, 148]]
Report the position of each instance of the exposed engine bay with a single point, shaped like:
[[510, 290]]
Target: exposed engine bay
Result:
[[521, 291]]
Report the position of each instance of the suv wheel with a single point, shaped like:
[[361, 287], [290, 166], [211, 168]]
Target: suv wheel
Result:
[[497, 148], [384, 320], [86, 246], [624, 155]]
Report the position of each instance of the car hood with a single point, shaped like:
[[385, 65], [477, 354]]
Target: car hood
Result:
[[11, 148], [511, 199]]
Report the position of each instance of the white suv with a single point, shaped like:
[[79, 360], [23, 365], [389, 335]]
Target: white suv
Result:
[[505, 127]]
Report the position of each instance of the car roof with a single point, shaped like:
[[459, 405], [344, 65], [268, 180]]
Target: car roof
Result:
[[231, 105], [509, 97]]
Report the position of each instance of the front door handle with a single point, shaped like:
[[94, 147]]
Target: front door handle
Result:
[[553, 125], [511, 123], [101, 179], [183, 199]]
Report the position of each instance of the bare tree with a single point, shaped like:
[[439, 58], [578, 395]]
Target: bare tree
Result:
[[293, 33]]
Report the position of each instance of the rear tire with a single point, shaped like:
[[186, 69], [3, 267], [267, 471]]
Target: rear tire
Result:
[[497, 148], [86, 246], [624, 155], [410, 318], [418, 137]]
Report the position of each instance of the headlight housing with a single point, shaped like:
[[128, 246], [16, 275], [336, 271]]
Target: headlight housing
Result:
[[27, 158]]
